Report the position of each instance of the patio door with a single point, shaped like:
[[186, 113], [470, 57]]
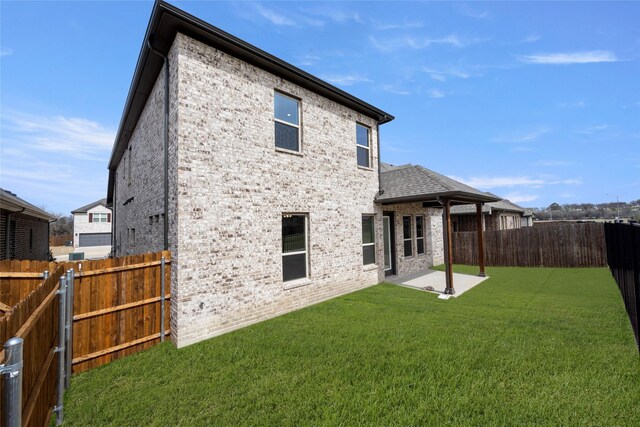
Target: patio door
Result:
[[389, 244]]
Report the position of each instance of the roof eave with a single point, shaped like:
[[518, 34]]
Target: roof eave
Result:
[[457, 197]]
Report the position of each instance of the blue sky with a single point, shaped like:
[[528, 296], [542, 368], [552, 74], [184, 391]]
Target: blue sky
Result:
[[536, 102]]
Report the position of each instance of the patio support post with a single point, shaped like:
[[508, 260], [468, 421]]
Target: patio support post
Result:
[[480, 239], [448, 254]]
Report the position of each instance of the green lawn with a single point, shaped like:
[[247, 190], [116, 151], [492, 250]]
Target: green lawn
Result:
[[527, 346]]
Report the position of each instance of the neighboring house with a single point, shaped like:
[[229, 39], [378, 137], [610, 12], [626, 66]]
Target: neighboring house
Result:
[[92, 225], [24, 229], [500, 215], [527, 218], [262, 183]]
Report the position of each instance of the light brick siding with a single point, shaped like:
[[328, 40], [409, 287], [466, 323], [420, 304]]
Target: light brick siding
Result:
[[31, 240], [434, 249], [139, 181], [81, 224], [229, 188]]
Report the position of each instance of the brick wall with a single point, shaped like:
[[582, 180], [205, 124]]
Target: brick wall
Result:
[[434, 245], [229, 187], [23, 237]]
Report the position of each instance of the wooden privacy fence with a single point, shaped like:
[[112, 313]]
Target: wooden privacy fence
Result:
[[19, 278], [118, 309], [557, 245], [623, 253], [35, 320]]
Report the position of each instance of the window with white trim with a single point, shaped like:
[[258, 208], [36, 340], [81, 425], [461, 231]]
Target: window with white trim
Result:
[[294, 247], [363, 145], [100, 217], [420, 234], [407, 235], [287, 122], [368, 240]]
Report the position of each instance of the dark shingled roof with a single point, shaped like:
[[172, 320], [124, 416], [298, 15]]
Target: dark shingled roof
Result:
[[86, 208], [414, 183], [501, 205], [11, 202]]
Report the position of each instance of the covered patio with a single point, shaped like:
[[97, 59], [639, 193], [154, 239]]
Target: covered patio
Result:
[[414, 184]]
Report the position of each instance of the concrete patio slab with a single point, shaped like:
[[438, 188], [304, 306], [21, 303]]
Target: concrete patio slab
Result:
[[435, 281]]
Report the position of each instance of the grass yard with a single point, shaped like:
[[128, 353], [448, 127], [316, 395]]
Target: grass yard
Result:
[[527, 346]]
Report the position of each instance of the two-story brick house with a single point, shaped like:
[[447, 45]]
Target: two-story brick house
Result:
[[259, 177], [92, 225]]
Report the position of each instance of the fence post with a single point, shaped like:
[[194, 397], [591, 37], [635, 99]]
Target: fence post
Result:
[[12, 378], [45, 274], [60, 349], [69, 327], [162, 292]]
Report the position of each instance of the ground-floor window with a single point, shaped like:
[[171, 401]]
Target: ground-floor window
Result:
[[420, 234], [294, 247], [407, 235], [368, 240]]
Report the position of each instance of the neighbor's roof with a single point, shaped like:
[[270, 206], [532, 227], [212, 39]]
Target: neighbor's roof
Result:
[[414, 183], [86, 208], [11, 202], [165, 22], [501, 205]]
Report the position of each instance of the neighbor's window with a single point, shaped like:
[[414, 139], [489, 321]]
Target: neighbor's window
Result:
[[420, 234], [407, 236], [294, 247], [362, 145], [100, 217], [368, 240], [287, 122], [30, 238]]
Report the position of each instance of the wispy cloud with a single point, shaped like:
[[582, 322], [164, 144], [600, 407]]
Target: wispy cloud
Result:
[[73, 136], [442, 75], [336, 14], [404, 25], [470, 12], [491, 182], [418, 43], [591, 130], [517, 197], [588, 57], [436, 93], [275, 17], [522, 137], [345, 79], [553, 163], [5, 51], [531, 38], [395, 89], [576, 104]]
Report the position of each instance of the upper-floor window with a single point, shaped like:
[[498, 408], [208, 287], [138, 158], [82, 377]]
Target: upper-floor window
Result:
[[99, 217], [363, 145], [287, 122]]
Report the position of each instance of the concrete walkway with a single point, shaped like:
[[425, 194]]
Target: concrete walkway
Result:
[[435, 282]]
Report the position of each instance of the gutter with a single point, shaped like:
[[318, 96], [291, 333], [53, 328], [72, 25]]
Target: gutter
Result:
[[166, 144]]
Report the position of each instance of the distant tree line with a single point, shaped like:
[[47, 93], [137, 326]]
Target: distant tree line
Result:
[[62, 227], [572, 211]]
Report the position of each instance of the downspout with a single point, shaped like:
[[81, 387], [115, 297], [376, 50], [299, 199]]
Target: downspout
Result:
[[382, 120], [166, 144]]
